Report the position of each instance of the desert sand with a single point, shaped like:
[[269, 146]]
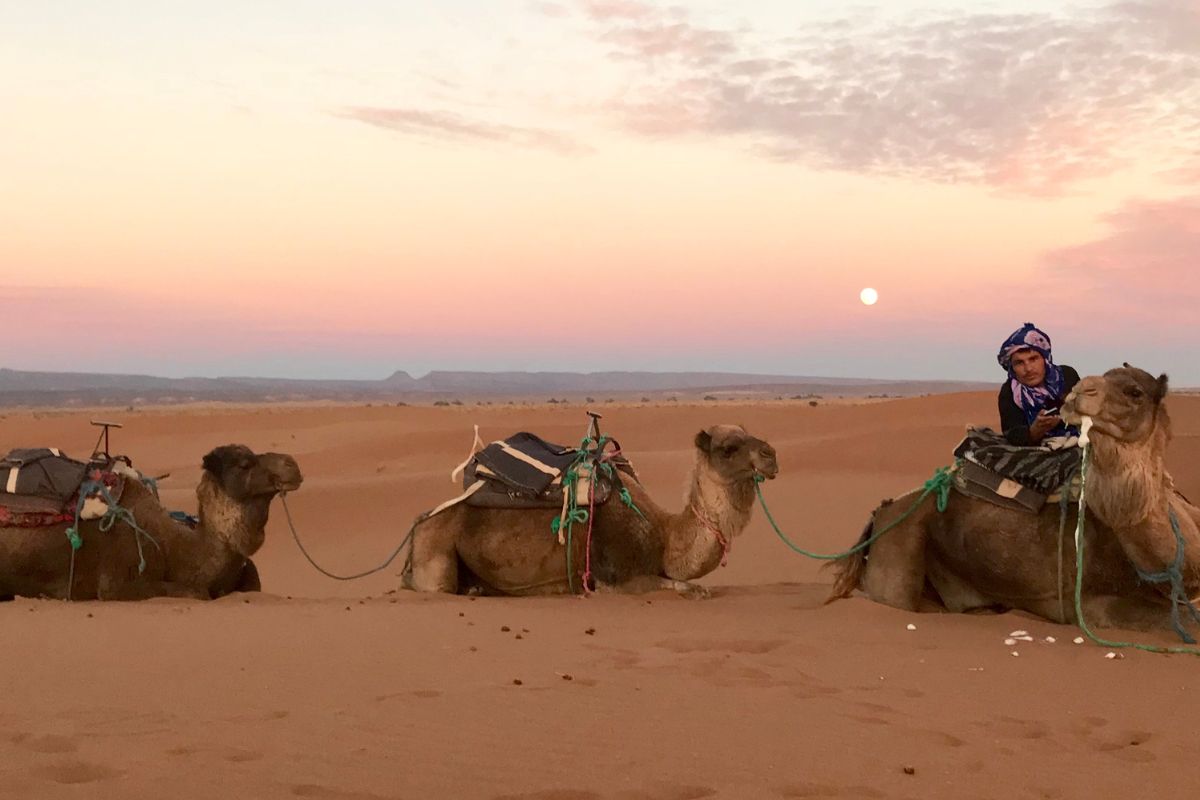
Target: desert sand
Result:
[[356, 691]]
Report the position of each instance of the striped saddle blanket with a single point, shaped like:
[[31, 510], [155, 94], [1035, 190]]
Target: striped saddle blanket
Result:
[[1012, 476], [526, 471], [40, 486]]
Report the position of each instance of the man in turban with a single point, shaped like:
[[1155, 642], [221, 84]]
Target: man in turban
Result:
[[1033, 394]]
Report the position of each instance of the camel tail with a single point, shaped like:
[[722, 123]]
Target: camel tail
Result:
[[850, 568]]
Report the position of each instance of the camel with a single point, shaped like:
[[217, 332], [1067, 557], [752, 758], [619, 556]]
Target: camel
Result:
[[235, 493], [514, 552], [979, 556]]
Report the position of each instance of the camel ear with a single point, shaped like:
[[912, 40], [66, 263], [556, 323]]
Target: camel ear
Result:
[[1127, 365], [704, 441], [1160, 388]]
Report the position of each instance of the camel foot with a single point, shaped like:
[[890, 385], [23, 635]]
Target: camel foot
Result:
[[690, 591]]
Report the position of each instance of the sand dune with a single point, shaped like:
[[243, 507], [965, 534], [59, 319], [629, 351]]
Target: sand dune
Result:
[[321, 689]]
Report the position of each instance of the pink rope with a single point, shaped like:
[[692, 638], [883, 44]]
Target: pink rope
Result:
[[726, 544], [587, 553]]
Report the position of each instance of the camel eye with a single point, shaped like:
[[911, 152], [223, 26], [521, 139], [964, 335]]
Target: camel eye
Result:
[[1135, 393], [729, 450]]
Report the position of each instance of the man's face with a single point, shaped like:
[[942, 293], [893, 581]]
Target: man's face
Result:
[[1029, 367]]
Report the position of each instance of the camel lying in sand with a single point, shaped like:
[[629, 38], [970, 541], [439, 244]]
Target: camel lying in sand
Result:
[[235, 493], [978, 555], [512, 551]]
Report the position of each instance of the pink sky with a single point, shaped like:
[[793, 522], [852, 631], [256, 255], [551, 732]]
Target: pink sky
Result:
[[595, 185]]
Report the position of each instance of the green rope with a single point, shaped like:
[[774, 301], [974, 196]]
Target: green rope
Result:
[[111, 517], [574, 515], [1083, 626], [627, 499], [940, 484]]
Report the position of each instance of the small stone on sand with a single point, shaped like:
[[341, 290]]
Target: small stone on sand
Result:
[[911, 627], [1078, 640]]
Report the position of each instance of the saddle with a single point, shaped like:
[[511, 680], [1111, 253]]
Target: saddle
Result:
[[40, 486], [1019, 478], [526, 471]]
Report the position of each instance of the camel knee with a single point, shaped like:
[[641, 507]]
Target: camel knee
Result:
[[433, 565]]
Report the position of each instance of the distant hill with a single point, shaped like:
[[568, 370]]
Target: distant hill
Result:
[[20, 388]]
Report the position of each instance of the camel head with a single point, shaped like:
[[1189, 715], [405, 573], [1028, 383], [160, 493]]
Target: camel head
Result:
[[241, 474], [1125, 403], [734, 455]]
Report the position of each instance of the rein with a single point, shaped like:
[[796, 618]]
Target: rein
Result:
[[287, 512]]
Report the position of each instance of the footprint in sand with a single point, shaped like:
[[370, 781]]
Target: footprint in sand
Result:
[[46, 744], [748, 646], [325, 793], [667, 792], [1014, 728], [240, 756], [1128, 746], [819, 790], [73, 772]]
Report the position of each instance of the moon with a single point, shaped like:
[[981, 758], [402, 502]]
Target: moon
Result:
[[868, 296]]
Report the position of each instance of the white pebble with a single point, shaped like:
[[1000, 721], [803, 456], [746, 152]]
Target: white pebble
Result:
[[1050, 640], [1019, 633], [1078, 640], [1025, 638], [911, 627], [1015, 653], [1010, 642], [1110, 654]]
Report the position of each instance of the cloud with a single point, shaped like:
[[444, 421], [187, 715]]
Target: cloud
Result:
[[1031, 102], [444, 125], [1145, 266]]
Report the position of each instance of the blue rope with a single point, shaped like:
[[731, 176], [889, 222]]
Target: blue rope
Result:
[[1173, 575], [114, 514]]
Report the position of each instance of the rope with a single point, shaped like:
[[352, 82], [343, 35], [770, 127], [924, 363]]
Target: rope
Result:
[[421, 518], [590, 450], [114, 514], [1079, 544], [940, 484], [726, 544]]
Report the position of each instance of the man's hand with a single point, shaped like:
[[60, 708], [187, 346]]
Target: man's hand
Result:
[[1043, 425]]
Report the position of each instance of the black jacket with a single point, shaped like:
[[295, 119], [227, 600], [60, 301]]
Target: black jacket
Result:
[[1012, 418]]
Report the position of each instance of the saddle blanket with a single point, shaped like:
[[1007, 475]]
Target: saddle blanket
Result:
[[1021, 478], [526, 471], [40, 487]]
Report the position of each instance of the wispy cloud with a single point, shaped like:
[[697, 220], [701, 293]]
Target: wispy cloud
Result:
[[1030, 102], [1145, 266], [443, 125]]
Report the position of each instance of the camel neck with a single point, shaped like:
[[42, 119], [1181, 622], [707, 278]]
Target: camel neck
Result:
[[699, 537], [1130, 490], [1129, 481], [238, 525]]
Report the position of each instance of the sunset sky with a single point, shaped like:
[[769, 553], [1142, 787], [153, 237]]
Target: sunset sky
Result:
[[310, 189]]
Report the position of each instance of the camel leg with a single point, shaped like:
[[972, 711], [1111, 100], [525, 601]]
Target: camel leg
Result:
[[895, 571], [433, 562], [144, 590], [956, 593], [653, 583], [249, 581], [1129, 613]]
